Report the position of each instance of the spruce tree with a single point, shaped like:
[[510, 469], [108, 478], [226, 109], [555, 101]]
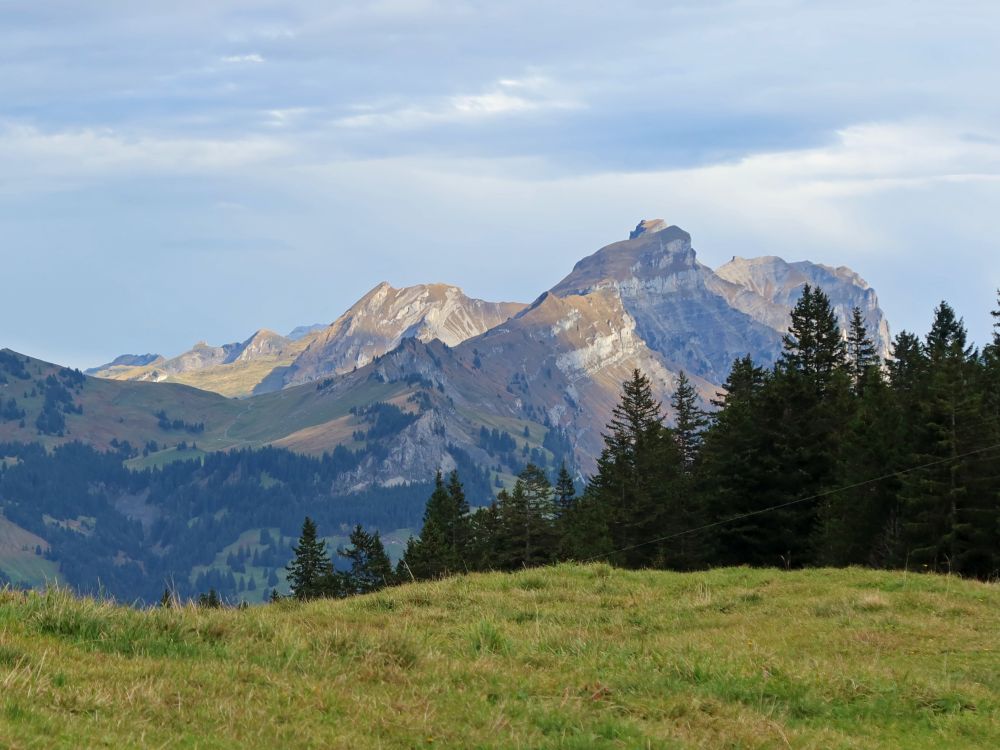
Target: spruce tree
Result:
[[813, 347], [991, 365], [527, 534], [370, 568], [483, 530], [907, 367], [950, 507], [636, 487], [565, 490], [810, 395], [689, 421], [859, 523], [862, 355], [309, 572], [457, 529], [737, 472], [441, 548]]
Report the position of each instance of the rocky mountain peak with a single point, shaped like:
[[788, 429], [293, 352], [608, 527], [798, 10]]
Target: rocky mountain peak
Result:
[[648, 226], [385, 316], [766, 289], [653, 251]]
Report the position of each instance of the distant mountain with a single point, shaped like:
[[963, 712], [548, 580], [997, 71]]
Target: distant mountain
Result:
[[300, 332], [231, 369], [552, 368], [377, 322], [371, 327], [405, 382], [670, 296], [124, 361], [767, 288]]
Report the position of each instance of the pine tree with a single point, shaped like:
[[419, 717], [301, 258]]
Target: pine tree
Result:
[[689, 421], [862, 356], [813, 347], [737, 472], [309, 572], [370, 569], [810, 395], [441, 548], [565, 490], [950, 508], [636, 487], [526, 521]]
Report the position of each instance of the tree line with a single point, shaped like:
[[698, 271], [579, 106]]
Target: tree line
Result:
[[833, 456]]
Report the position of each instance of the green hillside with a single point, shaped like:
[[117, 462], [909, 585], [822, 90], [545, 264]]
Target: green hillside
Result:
[[566, 657], [313, 418]]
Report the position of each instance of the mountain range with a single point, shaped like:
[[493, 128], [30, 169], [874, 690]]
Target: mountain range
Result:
[[348, 422], [464, 370]]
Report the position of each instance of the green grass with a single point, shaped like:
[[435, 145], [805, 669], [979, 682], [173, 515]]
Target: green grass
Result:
[[570, 657], [161, 458]]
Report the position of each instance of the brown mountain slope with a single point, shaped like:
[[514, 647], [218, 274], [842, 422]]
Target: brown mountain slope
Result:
[[385, 316]]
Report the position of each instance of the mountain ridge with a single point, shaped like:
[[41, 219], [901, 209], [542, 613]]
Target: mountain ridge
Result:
[[552, 368]]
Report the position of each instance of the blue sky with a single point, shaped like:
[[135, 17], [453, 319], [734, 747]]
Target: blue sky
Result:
[[205, 169]]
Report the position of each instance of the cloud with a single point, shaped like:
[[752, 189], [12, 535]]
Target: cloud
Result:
[[34, 159], [506, 97], [469, 132], [253, 58]]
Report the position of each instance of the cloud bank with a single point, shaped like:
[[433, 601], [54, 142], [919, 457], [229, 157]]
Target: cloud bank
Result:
[[267, 163]]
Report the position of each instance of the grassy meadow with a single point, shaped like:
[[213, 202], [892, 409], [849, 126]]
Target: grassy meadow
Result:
[[565, 657]]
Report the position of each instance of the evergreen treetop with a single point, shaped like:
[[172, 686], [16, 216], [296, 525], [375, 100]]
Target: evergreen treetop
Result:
[[813, 346], [862, 356], [371, 568], [689, 420], [310, 570]]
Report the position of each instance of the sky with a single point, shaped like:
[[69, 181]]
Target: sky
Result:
[[204, 169]]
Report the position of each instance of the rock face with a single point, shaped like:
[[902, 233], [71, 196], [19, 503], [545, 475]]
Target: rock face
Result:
[[385, 316], [767, 288], [673, 300]]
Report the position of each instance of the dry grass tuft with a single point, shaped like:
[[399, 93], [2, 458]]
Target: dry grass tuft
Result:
[[567, 657]]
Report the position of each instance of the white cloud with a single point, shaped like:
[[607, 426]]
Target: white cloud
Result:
[[32, 158], [909, 205], [253, 58], [281, 118], [508, 96]]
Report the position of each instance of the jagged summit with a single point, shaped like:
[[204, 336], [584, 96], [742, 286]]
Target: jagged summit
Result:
[[383, 317], [650, 226], [657, 250]]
